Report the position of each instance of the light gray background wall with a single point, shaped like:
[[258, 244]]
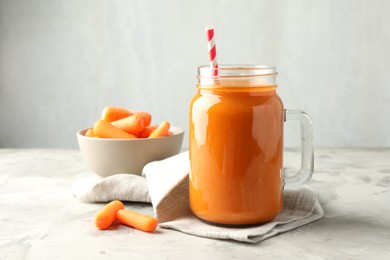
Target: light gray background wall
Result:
[[61, 62]]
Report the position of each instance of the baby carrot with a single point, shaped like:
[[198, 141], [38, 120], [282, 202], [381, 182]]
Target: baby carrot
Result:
[[133, 124], [90, 133], [161, 130], [107, 215], [137, 220], [112, 113], [146, 117], [147, 130], [106, 130]]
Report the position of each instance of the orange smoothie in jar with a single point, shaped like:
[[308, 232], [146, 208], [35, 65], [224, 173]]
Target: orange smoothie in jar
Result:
[[236, 149]]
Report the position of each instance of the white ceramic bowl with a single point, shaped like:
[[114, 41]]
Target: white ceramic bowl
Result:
[[107, 156]]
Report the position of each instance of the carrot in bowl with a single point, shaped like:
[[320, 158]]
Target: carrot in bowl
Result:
[[112, 113], [147, 131], [90, 133], [133, 124], [145, 116], [107, 215], [161, 130], [106, 130], [137, 220]]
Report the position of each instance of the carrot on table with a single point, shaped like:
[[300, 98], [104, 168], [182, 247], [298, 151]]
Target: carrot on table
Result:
[[147, 131], [107, 215], [137, 220], [105, 129], [133, 124], [90, 133], [112, 113], [161, 130]]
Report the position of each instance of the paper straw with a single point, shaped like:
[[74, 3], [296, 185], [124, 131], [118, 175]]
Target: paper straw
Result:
[[212, 48]]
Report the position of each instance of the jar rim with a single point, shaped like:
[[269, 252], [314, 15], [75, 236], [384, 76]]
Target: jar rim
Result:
[[235, 70]]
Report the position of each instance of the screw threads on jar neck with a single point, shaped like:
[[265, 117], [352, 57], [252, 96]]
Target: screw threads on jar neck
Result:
[[237, 75]]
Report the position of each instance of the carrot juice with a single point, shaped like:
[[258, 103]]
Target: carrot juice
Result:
[[236, 147]]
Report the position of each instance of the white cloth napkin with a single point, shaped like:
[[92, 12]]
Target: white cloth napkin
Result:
[[167, 183], [125, 187]]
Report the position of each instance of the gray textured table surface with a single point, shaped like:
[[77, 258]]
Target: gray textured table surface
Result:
[[40, 219]]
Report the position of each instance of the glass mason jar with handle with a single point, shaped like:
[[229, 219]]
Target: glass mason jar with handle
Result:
[[236, 145]]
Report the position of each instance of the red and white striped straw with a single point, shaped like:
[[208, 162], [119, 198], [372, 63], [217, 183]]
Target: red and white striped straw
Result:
[[212, 48]]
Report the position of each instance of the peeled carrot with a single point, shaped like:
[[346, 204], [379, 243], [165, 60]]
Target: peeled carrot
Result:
[[161, 130], [146, 117], [137, 220], [133, 124], [90, 133], [147, 130], [107, 215], [106, 130], [112, 113]]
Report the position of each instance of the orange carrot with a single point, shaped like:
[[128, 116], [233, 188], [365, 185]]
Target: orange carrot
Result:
[[137, 220], [112, 113], [147, 130], [107, 215], [147, 117], [133, 124], [90, 133], [106, 130], [161, 130]]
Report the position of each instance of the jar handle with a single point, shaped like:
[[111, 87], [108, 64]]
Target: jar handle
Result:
[[307, 151]]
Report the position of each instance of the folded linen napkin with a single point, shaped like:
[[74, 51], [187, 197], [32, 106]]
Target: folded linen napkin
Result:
[[167, 184], [125, 187]]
